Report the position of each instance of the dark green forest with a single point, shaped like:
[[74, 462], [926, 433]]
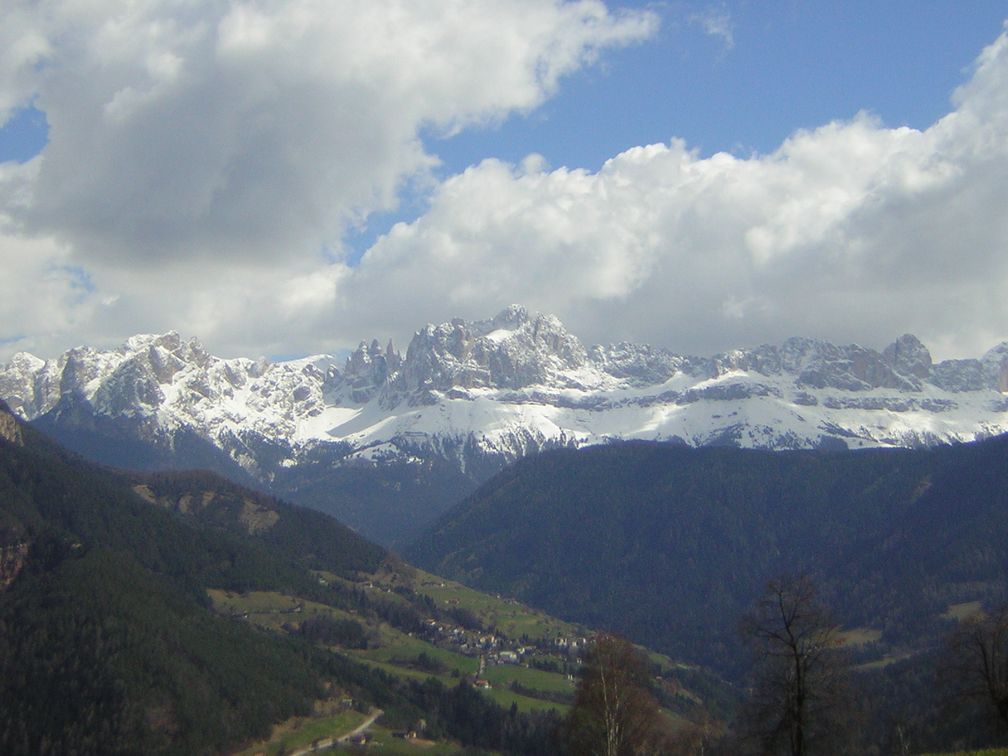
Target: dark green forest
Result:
[[108, 643], [670, 545], [387, 503]]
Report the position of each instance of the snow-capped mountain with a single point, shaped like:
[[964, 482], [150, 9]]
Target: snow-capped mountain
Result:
[[486, 392]]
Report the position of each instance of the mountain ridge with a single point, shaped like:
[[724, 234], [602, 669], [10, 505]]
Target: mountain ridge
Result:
[[592, 535], [468, 397]]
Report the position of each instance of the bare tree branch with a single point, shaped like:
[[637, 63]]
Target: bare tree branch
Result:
[[799, 697], [977, 661]]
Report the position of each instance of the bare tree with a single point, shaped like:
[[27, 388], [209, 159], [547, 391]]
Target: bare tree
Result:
[[614, 713], [978, 660], [799, 698]]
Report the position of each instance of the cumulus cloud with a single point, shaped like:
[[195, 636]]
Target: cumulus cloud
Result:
[[716, 22], [22, 47], [225, 147], [41, 293], [251, 133], [851, 231], [257, 130]]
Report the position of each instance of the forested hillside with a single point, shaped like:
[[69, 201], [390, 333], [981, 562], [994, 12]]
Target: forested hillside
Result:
[[180, 613], [669, 545], [116, 634], [107, 641]]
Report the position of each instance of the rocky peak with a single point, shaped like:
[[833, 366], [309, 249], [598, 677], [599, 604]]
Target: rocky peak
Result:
[[132, 387], [512, 316], [988, 372], [510, 350], [958, 375], [818, 364], [909, 357], [392, 357], [21, 381], [362, 357], [196, 353], [639, 364], [500, 383], [81, 365], [171, 341], [368, 369], [995, 367]]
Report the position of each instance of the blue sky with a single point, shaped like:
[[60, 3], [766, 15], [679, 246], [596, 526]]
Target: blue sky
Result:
[[786, 66], [268, 178], [789, 65], [24, 135]]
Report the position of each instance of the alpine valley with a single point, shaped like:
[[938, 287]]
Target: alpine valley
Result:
[[386, 441]]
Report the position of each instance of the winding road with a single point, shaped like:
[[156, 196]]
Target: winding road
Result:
[[326, 743]]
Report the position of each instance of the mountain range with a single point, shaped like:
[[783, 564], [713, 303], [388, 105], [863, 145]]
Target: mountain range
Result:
[[469, 397], [663, 542]]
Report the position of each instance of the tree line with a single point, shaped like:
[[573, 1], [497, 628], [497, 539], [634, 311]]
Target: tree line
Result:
[[803, 695]]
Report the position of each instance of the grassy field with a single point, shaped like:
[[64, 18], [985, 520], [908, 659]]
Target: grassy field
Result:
[[301, 732], [389, 745], [500, 679], [511, 618], [402, 649], [531, 679], [859, 636], [270, 609], [506, 697], [398, 653], [963, 611], [418, 658]]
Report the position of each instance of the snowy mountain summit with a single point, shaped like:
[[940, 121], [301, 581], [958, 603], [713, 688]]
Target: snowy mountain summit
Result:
[[489, 391]]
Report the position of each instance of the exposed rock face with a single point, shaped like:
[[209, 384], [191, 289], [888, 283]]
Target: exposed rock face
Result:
[[14, 552], [10, 430], [909, 357], [24, 379], [995, 367], [509, 351], [638, 364], [12, 561], [485, 392], [367, 370], [959, 375]]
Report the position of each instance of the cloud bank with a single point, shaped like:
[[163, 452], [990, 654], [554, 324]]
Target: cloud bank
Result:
[[206, 160], [852, 231]]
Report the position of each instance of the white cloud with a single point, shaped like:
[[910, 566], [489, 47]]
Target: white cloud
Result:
[[203, 155], [22, 46], [257, 130], [717, 23], [249, 134], [851, 231], [57, 298]]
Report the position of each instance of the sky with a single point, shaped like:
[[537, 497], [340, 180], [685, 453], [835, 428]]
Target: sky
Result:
[[292, 177]]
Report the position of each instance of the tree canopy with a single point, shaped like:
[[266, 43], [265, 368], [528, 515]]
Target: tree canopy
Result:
[[614, 713]]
